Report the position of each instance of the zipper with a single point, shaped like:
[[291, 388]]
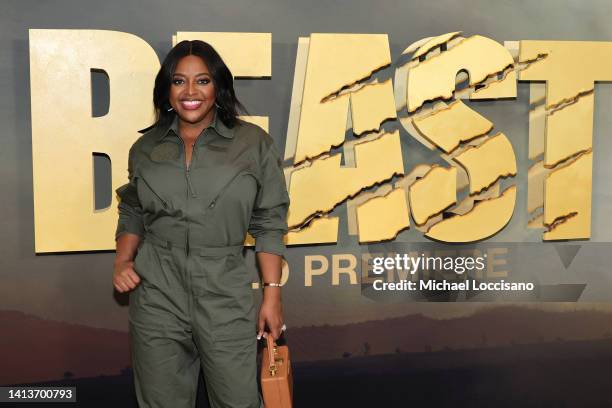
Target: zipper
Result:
[[212, 204], [190, 188], [194, 194], [164, 203], [188, 180]]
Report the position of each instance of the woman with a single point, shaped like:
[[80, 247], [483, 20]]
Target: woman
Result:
[[199, 179]]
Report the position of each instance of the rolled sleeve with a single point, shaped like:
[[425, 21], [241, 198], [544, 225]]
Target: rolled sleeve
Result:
[[130, 210], [268, 224]]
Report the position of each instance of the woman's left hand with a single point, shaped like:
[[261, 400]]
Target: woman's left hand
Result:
[[270, 316]]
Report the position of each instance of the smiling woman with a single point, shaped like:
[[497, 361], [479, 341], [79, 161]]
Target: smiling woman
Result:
[[194, 58], [199, 180], [192, 96]]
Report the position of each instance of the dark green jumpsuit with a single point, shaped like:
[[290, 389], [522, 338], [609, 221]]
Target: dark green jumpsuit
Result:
[[194, 305]]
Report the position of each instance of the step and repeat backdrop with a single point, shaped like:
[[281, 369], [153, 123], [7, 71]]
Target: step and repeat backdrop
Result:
[[447, 162]]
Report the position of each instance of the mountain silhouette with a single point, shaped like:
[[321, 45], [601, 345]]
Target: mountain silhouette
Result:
[[33, 349], [490, 327]]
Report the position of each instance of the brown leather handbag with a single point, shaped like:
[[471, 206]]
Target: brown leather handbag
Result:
[[276, 376]]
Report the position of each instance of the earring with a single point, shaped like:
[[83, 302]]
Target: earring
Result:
[[170, 109], [218, 106]]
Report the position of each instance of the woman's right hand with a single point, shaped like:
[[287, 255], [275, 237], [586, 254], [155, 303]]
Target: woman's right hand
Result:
[[125, 277]]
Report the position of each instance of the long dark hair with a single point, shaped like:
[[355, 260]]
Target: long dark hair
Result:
[[222, 78]]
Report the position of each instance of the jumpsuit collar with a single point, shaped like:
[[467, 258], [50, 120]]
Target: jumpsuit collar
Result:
[[217, 124]]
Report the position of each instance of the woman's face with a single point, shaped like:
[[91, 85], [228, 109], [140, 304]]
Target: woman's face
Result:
[[192, 92]]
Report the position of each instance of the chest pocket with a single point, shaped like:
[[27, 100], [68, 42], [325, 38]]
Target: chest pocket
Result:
[[241, 188], [150, 200], [152, 197]]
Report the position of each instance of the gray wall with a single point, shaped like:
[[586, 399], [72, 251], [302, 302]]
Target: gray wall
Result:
[[77, 287]]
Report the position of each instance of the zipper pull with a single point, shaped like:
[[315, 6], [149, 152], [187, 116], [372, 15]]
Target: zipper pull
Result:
[[193, 193], [188, 174]]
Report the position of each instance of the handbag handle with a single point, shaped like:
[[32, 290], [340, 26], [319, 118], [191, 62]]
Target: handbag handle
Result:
[[271, 354]]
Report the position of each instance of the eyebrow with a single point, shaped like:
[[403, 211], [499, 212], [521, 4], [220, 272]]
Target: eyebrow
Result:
[[183, 75]]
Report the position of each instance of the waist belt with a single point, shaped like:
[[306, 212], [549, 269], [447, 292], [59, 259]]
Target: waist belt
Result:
[[202, 250]]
